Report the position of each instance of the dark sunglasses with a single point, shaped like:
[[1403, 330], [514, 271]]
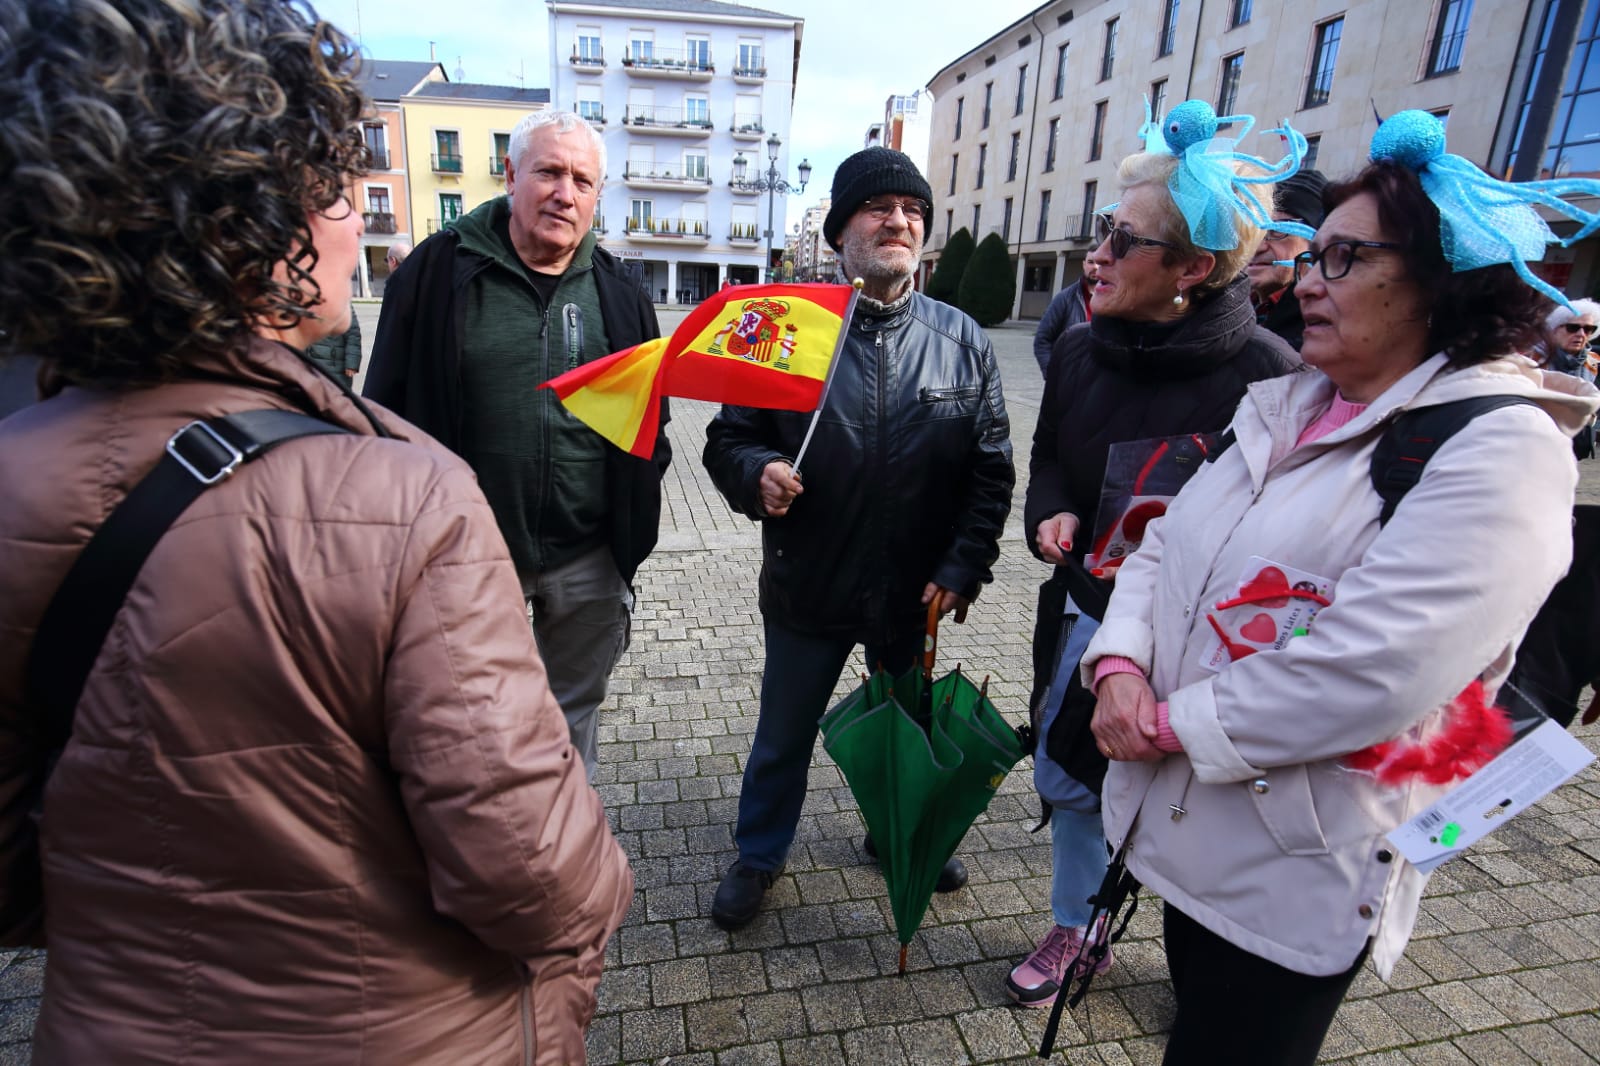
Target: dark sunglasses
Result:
[[1123, 241], [1336, 259], [1579, 327]]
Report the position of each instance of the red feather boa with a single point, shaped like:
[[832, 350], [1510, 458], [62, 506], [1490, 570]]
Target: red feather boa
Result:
[[1474, 732]]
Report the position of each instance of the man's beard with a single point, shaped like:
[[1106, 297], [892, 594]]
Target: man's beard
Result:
[[863, 256]]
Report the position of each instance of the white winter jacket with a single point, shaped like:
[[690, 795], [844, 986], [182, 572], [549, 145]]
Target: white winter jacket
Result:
[[1278, 848]]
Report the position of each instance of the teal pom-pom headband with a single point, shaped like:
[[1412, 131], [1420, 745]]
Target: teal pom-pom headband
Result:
[[1482, 220], [1206, 186]]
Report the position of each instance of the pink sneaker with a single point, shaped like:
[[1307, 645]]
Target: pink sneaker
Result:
[[1037, 979]]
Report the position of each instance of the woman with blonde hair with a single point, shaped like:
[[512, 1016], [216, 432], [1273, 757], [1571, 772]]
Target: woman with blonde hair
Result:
[[1171, 346]]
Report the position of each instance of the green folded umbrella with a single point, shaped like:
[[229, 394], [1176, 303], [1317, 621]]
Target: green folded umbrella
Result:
[[923, 758]]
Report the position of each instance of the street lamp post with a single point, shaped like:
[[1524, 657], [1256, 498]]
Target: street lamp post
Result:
[[771, 183]]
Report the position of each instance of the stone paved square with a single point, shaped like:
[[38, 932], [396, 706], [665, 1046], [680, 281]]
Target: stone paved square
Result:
[[1505, 967]]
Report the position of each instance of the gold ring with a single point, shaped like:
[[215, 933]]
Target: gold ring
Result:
[[1110, 754]]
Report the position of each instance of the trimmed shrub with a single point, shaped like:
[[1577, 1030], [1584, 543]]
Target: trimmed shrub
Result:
[[946, 278], [989, 284]]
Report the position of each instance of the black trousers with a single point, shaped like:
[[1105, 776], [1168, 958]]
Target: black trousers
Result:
[[1237, 1008]]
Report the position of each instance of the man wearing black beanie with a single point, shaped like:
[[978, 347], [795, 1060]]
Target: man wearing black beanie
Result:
[[1298, 198], [899, 505]]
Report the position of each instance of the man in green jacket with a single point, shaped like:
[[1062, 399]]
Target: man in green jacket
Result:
[[474, 321]]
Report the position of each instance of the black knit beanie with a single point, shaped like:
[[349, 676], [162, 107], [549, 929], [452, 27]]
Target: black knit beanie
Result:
[[1300, 196], [870, 172]]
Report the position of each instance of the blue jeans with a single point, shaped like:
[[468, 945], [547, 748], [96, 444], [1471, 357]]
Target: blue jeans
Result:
[[796, 684], [1077, 864], [1077, 835]]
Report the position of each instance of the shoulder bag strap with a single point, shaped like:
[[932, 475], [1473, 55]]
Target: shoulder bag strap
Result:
[[1412, 439], [75, 624]]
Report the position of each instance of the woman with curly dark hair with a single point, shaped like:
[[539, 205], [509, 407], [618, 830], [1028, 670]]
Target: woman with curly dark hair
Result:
[[1288, 670], [318, 803]]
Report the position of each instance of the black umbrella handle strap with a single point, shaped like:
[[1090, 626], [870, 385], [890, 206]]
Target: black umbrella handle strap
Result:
[[1118, 888]]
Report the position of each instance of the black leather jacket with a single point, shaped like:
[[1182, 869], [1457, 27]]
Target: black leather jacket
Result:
[[907, 480]]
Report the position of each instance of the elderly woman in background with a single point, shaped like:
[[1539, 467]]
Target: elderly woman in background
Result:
[[1564, 342], [1278, 671], [1171, 346], [1564, 346], [318, 804]]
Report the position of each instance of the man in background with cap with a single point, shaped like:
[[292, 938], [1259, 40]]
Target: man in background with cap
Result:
[[899, 503], [1298, 199]]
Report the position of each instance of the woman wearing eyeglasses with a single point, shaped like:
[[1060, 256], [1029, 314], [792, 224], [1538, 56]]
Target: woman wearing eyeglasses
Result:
[[1281, 676], [1171, 346]]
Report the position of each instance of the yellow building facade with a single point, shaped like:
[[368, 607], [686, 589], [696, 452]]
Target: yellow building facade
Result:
[[456, 138]]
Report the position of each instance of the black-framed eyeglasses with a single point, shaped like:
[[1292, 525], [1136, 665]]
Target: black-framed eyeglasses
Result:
[[1336, 258], [1122, 240], [1579, 327], [1280, 235], [880, 210]]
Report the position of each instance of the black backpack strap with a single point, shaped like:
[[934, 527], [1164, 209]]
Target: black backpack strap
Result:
[[75, 624], [1411, 440]]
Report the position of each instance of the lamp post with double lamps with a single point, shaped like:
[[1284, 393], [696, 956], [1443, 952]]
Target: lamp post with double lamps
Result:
[[771, 183]]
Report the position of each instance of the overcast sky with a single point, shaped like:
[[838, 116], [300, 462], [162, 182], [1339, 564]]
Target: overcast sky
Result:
[[853, 55]]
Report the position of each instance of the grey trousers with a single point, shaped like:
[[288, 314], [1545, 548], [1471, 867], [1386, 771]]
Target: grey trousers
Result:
[[581, 614]]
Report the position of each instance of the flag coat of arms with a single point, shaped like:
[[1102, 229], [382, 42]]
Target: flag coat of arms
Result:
[[751, 345]]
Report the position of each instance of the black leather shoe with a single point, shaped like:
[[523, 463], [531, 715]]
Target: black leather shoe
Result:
[[952, 877], [739, 896]]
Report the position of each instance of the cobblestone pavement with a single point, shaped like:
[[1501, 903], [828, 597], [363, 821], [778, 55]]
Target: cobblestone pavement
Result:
[[1504, 968]]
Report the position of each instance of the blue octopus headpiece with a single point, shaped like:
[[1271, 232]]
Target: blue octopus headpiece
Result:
[[1206, 185], [1482, 220]]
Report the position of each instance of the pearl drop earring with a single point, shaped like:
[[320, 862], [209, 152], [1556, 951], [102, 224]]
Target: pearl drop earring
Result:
[[1178, 299]]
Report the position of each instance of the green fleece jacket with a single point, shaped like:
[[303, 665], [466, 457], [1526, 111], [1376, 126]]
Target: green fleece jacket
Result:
[[542, 470]]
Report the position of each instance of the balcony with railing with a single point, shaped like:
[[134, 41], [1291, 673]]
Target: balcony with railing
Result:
[[378, 221], [744, 234], [447, 164], [666, 231], [672, 121], [691, 65], [747, 128], [752, 73], [1080, 227], [587, 53], [646, 174], [598, 225], [592, 112], [497, 166], [747, 186], [377, 158]]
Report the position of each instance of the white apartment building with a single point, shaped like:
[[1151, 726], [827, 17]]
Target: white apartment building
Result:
[[814, 258], [683, 91], [1029, 126]]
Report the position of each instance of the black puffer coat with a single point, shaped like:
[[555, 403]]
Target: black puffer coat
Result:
[[907, 480], [1112, 380]]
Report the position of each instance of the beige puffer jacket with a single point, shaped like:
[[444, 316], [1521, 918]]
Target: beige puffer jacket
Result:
[[319, 805]]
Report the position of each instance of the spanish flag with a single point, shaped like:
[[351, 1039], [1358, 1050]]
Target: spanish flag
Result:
[[751, 345]]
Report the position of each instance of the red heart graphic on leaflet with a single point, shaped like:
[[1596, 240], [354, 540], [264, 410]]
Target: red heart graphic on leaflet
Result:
[[1261, 629], [1269, 588], [1138, 517]]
